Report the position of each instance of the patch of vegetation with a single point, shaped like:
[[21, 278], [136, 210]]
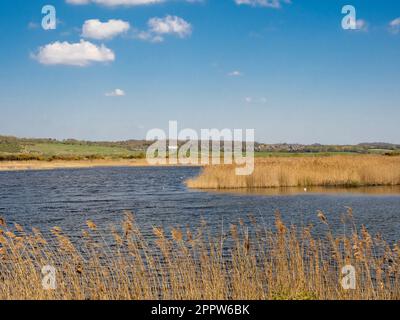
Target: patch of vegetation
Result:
[[300, 154], [15, 149], [57, 149], [12, 148], [334, 171], [286, 262], [393, 154], [21, 157], [9, 145]]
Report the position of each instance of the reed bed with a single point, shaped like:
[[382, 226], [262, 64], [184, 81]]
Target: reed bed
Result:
[[246, 261], [335, 171]]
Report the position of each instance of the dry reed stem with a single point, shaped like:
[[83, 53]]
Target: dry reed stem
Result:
[[343, 171], [247, 262]]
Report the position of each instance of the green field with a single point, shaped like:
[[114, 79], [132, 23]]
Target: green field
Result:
[[12, 148], [55, 150]]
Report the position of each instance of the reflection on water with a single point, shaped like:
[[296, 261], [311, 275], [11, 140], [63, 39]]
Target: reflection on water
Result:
[[377, 190], [159, 197]]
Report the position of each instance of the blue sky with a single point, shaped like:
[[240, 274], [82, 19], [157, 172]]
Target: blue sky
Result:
[[289, 71]]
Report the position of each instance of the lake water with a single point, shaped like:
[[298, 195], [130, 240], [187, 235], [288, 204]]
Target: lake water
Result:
[[158, 196]]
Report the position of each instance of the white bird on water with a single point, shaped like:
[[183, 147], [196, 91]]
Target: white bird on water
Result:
[[305, 189]]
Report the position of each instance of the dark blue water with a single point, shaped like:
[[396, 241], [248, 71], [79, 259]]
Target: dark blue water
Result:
[[158, 197]]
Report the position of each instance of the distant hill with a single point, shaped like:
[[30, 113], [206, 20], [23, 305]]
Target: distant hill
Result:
[[359, 148], [380, 145]]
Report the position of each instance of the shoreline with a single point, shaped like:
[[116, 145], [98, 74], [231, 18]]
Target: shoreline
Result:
[[32, 165]]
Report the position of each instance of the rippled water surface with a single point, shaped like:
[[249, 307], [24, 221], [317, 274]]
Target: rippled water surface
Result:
[[158, 196]]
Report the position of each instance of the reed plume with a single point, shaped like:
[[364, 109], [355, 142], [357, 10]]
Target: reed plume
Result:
[[248, 261], [335, 171]]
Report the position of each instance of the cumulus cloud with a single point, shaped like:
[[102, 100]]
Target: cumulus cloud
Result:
[[115, 93], [170, 25], [98, 30], [114, 3], [78, 54], [235, 73], [158, 28], [263, 3], [394, 25]]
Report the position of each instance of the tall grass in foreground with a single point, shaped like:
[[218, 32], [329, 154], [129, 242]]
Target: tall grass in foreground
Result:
[[345, 171], [246, 262]]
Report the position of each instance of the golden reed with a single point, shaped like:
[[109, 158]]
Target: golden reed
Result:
[[344, 171], [247, 261]]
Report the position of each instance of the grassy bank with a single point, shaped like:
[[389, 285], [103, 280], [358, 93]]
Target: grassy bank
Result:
[[26, 149], [343, 171], [247, 261], [70, 164], [14, 149]]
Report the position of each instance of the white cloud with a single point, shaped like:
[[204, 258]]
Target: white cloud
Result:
[[235, 73], [263, 3], [148, 36], [33, 25], [114, 3], [361, 25], [170, 25], [358, 25], [79, 54], [250, 100], [394, 25], [158, 28], [98, 30], [115, 93]]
